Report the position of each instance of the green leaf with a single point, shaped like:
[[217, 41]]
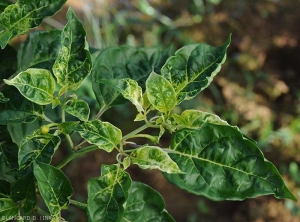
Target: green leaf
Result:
[[103, 134], [7, 209], [4, 4], [78, 108], [39, 50], [18, 18], [3, 99], [36, 85], [37, 147], [73, 63], [160, 93], [152, 157], [8, 62], [68, 127], [4, 189], [145, 204], [9, 152], [54, 187], [221, 164], [24, 189], [18, 109], [193, 67], [108, 193]]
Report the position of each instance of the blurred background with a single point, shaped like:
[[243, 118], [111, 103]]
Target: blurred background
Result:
[[258, 89]]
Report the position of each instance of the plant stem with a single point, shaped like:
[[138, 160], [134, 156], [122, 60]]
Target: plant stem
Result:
[[130, 135], [42, 212], [76, 154], [78, 204]]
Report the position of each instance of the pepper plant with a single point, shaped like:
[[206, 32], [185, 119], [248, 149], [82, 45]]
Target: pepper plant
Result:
[[206, 155]]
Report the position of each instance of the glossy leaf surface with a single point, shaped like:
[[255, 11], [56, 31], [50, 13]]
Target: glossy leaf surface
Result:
[[108, 193], [36, 85], [73, 63], [103, 134], [145, 204], [78, 108], [152, 157], [221, 164], [18, 18], [8, 209], [160, 93], [193, 67], [54, 187]]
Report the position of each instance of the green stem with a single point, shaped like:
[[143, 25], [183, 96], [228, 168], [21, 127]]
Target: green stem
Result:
[[76, 154], [130, 135], [42, 212], [78, 204]]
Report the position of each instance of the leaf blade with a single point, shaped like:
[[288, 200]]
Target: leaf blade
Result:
[[78, 108]]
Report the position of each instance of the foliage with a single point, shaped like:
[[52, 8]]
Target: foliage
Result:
[[206, 156]]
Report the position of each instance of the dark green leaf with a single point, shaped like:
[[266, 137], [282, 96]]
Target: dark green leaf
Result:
[[160, 93], [108, 193], [78, 108], [221, 164], [7, 209], [193, 67], [18, 18], [8, 62], [39, 50], [73, 63], [145, 204], [24, 189], [4, 4], [103, 134], [4, 189], [68, 127], [54, 187], [3, 99], [9, 152]]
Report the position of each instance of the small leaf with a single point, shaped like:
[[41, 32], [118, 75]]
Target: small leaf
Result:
[[3, 99], [221, 164], [39, 50], [103, 134], [152, 157], [18, 18], [108, 193], [8, 209], [145, 204], [73, 63], [54, 187], [78, 108], [4, 189], [68, 127], [126, 162], [36, 85], [193, 67], [37, 147], [160, 93]]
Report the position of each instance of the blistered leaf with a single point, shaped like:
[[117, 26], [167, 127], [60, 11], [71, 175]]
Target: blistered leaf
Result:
[[18, 18], [39, 50], [8, 209], [221, 164], [145, 204], [193, 67], [68, 127], [18, 109], [108, 193], [152, 157], [37, 147], [8, 62], [103, 134], [160, 93], [36, 85], [4, 188], [78, 108], [54, 187], [73, 63]]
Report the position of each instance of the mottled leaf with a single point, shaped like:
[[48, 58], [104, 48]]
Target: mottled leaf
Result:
[[36, 85], [160, 93], [18, 18], [193, 67], [8, 209], [68, 127], [221, 164], [54, 187], [78, 108], [103, 134], [73, 63], [108, 193]]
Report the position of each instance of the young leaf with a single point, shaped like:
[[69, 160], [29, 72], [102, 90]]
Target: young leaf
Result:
[[73, 63], [68, 127], [8, 209], [108, 193], [145, 204], [18, 18], [39, 50], [37, 147], [103, 134], [160, 93], [78, 108], [4, 189], [152, 157], [193, 67], [36, 85], [54, 187], [18, 109], [221, 164]]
